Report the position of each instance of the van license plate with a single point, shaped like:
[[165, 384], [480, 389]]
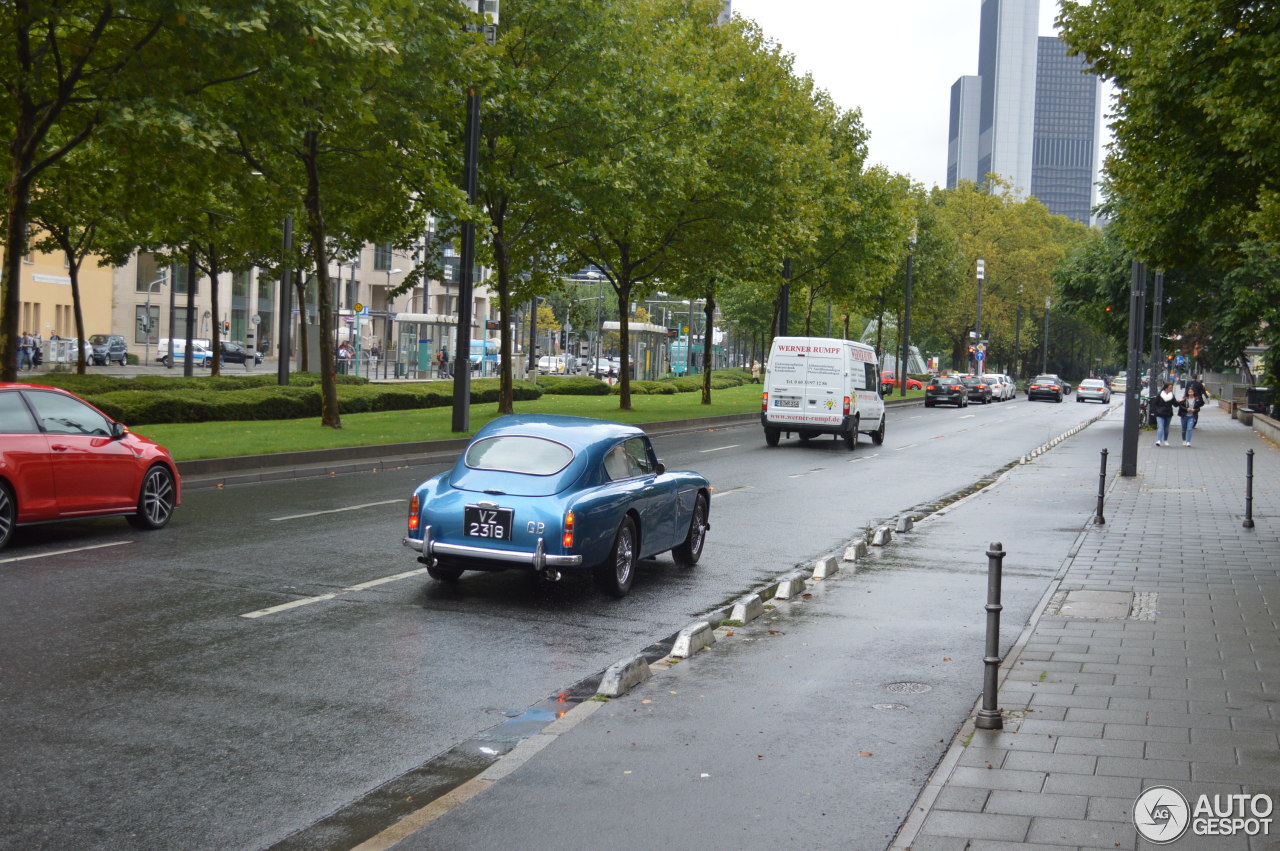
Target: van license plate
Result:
[[492, 523], [786, 403]]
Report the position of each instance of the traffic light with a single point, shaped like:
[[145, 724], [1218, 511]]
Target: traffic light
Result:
[[226, 327], [972, 350]]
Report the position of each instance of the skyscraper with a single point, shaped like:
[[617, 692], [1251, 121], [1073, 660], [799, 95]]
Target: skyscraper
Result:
[[1031, 115], [1066, 132]]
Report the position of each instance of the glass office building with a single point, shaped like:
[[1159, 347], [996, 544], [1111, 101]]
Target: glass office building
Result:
[[1066, 132]]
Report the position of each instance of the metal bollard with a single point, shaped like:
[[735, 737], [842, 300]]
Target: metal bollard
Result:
[[989, 716], [1098, 519], [1248, 489]]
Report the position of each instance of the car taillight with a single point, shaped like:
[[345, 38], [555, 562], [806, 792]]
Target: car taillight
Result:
[[956, 387], [846, 405], [414, 517], [568, 530], [982, 387], [764, 403]]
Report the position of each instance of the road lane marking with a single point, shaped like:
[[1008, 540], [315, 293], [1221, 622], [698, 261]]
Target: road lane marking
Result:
[[916, 417], [718, 448], [864, 458], [336, 510], [802, 475], [320, 598], [738, 489], [900, 448], [63, 552], [967, 416]]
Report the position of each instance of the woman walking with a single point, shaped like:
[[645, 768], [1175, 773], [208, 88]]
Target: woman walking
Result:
[[1162, 408], [1189, 413]]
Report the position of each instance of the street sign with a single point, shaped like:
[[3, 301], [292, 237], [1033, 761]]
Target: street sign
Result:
[[358, 307], [981, 355], [1180, 360], [255, 319]]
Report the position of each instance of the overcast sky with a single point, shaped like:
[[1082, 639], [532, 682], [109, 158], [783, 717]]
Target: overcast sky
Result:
[[894, 60]]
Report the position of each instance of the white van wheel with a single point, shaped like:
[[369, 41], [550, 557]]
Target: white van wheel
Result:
[[851, 436], [771, 436], [877, 436]]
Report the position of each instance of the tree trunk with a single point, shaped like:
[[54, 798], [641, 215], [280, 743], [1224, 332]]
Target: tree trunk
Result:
[[708, 341], [193, 270], [329, 415], [215, 337], [506, 365], [623, 288]]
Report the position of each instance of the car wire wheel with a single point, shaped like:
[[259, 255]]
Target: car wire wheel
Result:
[[155, 504], [617, 573], [688, 551], [8, 514]]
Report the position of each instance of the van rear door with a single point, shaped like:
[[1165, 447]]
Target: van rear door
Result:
[[824, 387]]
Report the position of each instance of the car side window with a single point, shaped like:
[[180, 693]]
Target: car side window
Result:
[[14, 416], [616, 464], [871, 383], [638, 457], [60, 414]]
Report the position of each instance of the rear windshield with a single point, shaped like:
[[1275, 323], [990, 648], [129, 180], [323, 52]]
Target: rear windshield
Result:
[[513, 453], [946, 379], [1044, 379]]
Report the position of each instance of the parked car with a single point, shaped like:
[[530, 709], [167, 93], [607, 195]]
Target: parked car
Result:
[[1093, 388], [108, 348], [1045, 387], [234, 351], [62, 458], [946, 389], [889, 381], [1001, 386], [551, 365], [201, 354], [978, 389], [548, 494]]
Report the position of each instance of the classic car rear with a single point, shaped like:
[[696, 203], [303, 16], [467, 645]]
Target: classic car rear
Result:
[[550, 494]]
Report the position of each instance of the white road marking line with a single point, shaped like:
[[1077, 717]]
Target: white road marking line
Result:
[[916, 417], [306, 601], [63, 552], [731, 490], [864, 458], [900, 448], [718, 448], [337, 510], [967, 416]]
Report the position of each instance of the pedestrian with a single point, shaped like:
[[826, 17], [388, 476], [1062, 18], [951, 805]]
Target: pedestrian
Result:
[[612, 378], [1189, 413], [1162, 408], [444, 362], [24, 351], [755, 372], [1198, 386], [373, 360]]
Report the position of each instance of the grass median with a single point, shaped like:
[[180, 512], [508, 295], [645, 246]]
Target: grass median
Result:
[[192, 441]]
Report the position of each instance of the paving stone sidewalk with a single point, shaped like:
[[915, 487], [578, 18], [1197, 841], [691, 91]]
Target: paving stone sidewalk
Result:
[[1157, 662]]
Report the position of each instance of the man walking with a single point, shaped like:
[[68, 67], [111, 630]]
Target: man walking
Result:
[[24, 351]]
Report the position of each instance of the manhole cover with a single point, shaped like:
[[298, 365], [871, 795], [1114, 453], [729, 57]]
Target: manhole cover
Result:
[[888, 706], [907, 688]]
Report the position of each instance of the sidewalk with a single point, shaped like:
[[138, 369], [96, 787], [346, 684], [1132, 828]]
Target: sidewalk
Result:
[[818, 724], [1169, 676]]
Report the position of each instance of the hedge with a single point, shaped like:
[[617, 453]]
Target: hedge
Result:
[[572, 385]]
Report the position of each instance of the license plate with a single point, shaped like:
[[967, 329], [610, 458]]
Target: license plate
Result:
[[492, 523], [786, 403]]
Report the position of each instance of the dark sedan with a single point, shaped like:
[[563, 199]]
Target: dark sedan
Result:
[[234, 352], [548, 494], [1045, 387], [946, 390], [978, 389]]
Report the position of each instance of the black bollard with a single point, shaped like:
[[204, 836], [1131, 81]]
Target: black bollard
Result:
[[1098, 519], [1248, 489], [989, 716]]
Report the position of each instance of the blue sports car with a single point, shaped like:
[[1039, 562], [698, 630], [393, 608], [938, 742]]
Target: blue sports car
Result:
[[553, 493]]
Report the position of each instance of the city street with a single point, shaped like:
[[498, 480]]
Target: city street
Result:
[[261, 668]]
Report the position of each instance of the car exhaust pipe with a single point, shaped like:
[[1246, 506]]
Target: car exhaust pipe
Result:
[[552, 574]]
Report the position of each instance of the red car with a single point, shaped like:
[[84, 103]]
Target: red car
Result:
[[62, 458], [889, 380]]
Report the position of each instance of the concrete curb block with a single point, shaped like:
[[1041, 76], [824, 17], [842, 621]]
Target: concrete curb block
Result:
[[747, 609], [883, 535], [853, 552], [623, 676], [791, 585], [693, 638], [905, 523], [824, 568]]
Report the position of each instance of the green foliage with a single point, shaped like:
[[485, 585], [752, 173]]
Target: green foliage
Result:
[[572, 385]]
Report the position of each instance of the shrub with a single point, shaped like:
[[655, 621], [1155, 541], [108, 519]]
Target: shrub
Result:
[[572, 385]]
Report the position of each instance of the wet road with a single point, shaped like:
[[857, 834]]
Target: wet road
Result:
[[141, 706]]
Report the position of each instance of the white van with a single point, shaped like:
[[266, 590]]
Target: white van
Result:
[[821, 385]]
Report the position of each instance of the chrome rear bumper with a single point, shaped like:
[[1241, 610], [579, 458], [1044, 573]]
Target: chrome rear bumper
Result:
[[538, 559]]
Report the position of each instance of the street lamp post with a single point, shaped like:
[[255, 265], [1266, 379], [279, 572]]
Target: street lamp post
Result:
[[470, 180], [1044, 365], [1133, 387], [286, 285], [146, 324], [906, 318], [982, 274]]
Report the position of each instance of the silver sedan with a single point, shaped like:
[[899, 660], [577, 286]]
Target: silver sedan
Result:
[[1093, 388]]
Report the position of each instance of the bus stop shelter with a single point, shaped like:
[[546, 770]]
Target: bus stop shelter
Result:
[[648, 349]]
